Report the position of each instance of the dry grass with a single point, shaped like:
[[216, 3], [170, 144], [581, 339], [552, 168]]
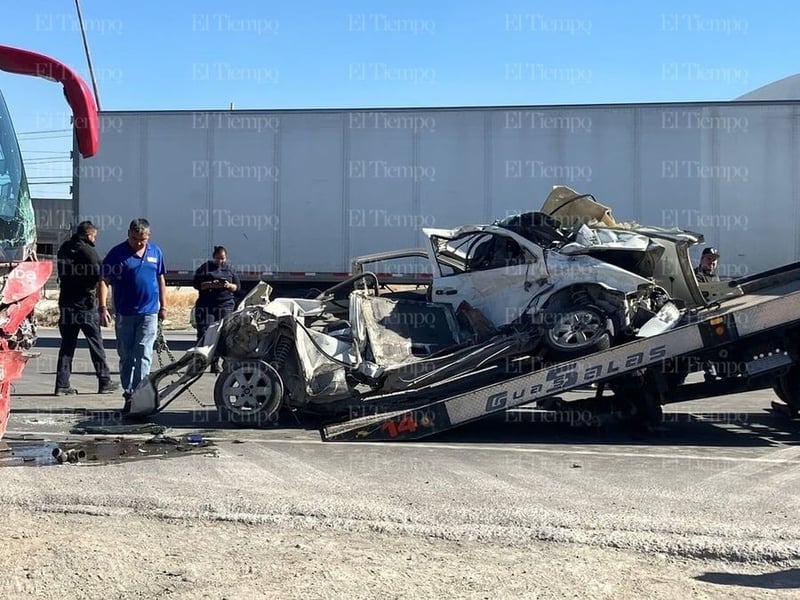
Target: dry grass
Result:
[[180, 302], [181, 297]]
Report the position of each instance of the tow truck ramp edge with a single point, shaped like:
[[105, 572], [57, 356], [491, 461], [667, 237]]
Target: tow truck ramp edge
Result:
[[747, 324]]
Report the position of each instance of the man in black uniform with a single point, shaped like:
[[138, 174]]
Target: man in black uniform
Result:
[[217, 284], [78, 275]]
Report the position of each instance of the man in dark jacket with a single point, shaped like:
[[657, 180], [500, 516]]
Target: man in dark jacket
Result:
[[78, 275]]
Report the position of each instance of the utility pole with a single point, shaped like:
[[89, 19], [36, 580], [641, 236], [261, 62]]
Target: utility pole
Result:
[[88, 55]]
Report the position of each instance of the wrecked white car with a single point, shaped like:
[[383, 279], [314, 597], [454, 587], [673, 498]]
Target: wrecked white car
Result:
[[551, 285]]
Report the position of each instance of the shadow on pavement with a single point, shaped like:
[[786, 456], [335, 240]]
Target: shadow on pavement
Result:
[[679, 429], [757, 429], [780, 580], [721, 429]]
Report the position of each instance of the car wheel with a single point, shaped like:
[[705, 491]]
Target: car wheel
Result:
[[577, 332], [249, 393]]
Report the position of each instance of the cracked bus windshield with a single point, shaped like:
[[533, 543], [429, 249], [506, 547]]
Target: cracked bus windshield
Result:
[[17, 231]]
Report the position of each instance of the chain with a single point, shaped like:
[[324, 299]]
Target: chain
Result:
[[161, 347]]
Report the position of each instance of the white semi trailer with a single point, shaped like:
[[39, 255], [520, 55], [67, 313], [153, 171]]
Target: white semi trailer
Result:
[[295, 194]]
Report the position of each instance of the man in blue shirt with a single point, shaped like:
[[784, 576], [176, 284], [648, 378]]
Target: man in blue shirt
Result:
[[136, 273]]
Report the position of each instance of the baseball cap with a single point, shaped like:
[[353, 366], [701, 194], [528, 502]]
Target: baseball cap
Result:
[[710, 250]]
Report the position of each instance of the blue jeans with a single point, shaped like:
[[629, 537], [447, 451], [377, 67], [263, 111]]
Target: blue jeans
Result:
[[136, 336]]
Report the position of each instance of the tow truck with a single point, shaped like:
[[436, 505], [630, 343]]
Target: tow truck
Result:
[[752, 339]]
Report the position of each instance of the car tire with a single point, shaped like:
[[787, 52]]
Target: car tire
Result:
[[576, 332], [249, 393]]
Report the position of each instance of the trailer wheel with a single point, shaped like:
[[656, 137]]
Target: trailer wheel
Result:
[[577, 332], [249, 393], [787, 388], [777, 387]]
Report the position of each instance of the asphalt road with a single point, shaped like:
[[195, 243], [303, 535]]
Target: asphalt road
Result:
[[720, 481]]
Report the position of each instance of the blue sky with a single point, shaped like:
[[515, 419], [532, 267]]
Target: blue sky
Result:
[[258, 54]]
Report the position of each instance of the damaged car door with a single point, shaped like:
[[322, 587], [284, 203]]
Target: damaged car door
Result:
[[496, 272]]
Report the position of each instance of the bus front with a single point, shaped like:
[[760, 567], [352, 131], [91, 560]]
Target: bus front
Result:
[[22, 276]]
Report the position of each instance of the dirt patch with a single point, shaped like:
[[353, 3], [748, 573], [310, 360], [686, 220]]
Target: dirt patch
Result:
[[102, 555], [180, 302]]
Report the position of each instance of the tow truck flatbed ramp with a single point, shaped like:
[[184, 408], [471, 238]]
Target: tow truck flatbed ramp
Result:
[[759, 321]]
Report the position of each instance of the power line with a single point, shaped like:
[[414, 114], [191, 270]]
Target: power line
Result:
[[45, 152], [43, 131], [32, 160], [46, 137]]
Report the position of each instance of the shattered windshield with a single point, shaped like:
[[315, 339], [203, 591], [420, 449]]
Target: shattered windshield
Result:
[[17, 224]]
